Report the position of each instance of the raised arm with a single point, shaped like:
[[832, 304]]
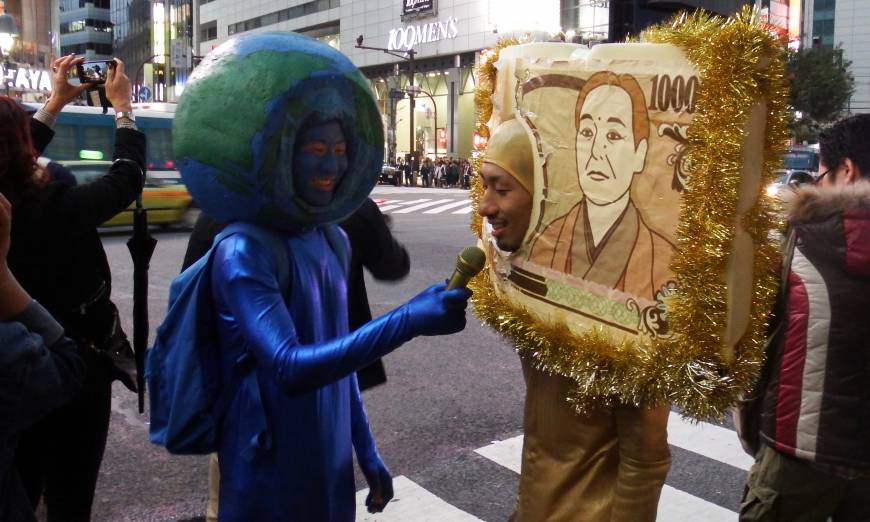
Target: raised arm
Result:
[[243, 278], [86, 206]]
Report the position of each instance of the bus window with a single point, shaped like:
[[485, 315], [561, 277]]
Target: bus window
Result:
[[98, 138], [63, 145], [159, 148]]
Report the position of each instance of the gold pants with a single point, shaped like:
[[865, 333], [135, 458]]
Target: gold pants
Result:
[[214, 486], [608, 466]]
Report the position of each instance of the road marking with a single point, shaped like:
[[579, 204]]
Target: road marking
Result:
[[677, 506], [421, 206], [463, 211], [411, 502], [398, 204], [507, 453], [438, 210], [709, 440]]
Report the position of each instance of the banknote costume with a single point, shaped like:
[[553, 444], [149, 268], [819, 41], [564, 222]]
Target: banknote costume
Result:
[[638, 285], [287, 439]]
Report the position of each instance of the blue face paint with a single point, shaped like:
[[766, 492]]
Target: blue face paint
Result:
[[319, 163]]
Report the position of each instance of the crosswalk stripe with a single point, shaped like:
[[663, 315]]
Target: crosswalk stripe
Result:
[[399, 204], [679, 506], [464, 210], [507, 453], [709, 440], [411, 502], [438, 210], [408, 210]]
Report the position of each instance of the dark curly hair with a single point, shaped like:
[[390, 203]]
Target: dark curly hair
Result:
[[848, 138], [17, 155]]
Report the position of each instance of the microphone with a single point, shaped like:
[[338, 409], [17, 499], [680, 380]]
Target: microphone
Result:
[[469, 262]]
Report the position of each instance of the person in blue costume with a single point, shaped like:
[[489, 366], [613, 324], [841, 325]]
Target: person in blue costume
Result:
[[302, 153]]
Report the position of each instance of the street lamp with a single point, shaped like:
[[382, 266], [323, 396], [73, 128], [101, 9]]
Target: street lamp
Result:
[[410, 57], [8, 33]]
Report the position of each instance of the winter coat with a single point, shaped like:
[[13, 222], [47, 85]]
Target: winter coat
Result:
[[817, 402]]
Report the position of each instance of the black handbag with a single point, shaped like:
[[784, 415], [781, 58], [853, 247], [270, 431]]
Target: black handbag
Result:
[[99, 330], [747, 413]]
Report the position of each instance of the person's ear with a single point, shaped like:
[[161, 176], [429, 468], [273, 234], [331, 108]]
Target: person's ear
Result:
[[851, 172], [639, 156]]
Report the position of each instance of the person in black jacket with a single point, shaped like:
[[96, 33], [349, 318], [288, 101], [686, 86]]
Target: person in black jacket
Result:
[[40, 369], [58, 257]]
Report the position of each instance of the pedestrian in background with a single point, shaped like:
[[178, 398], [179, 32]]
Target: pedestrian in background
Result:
[[426, 172], [439, 173], [58, 257], [814, 461], [407, 170]]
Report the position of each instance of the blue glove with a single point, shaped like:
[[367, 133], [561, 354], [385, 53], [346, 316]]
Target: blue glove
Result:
[[370, 462], [436, 311], [380, 484]]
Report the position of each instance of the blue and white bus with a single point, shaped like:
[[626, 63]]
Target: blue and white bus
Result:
[[85, 133]]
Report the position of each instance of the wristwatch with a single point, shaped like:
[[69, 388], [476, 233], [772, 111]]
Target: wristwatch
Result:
[[125, 120], [125, 114]]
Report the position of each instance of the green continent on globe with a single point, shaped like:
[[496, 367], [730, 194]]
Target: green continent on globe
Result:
[[200, 130]]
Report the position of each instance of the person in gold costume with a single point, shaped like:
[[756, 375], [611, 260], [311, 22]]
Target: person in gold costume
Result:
[[604, 238], [605, 466]]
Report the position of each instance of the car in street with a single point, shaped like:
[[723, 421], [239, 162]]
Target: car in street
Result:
[[388, 174], [164, 196], [788, 180], [800, 165]]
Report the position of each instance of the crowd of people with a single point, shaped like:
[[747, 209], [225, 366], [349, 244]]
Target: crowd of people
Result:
[[441, 173], [286, 443]]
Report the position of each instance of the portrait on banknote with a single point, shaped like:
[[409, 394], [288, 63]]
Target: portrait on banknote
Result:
[[610, 138]]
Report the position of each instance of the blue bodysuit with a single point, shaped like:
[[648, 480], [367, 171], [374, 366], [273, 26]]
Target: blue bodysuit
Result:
[[305, 471]]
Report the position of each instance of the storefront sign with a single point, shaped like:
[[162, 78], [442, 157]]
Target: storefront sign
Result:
[[28, 79], [405, 38], [418, 6]]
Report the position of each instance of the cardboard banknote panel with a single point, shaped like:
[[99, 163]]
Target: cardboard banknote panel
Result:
[[610, 169]]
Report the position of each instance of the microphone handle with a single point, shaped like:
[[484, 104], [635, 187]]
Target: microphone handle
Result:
[[457, 280]]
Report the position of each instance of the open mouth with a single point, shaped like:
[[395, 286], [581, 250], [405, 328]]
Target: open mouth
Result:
[[323, 183], [597, 175], [497, 228]]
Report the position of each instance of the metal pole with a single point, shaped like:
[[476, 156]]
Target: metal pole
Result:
[[411, 70]]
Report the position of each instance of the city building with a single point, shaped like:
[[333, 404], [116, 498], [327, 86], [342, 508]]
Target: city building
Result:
[[843, 24], [155, 39], [85, 28], [25, 64], [447, 37]]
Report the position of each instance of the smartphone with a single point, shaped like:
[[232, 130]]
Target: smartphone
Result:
[[94, 71]]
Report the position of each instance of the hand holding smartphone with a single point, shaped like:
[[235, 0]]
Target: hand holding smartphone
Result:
[[95, 71]]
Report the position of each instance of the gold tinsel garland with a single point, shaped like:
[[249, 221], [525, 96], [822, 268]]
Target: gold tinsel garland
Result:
[[486, 73], [740, 63]]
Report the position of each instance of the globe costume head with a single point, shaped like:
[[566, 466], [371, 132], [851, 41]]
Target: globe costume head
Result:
[[293, 90]]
